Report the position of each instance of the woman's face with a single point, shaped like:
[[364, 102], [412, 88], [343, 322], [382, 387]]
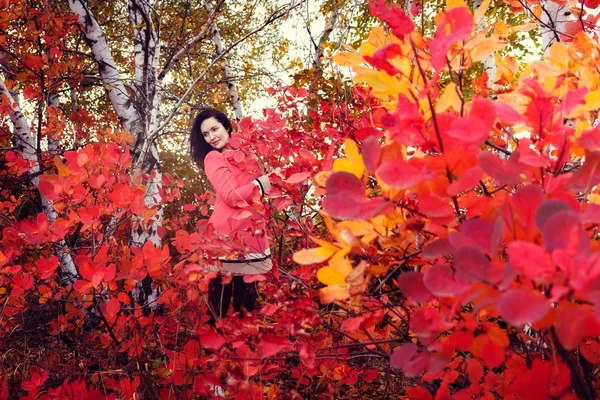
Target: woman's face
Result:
[[214, 133]]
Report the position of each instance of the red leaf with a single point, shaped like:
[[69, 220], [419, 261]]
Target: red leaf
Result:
[[371, 153], [477, 126], [341, 207], [456, 24], [564, 231], [437, 248], [540, 109], [439, 280], [472, 265], [590, 138], [254, 278], [573, 99], [346, 198], [507, 114], [473, 233], [402, 174], [529, 157], [405, 125], [112, 307], [271, 344], [531, 260], [381, 57], [474, 370], [588, 176], [352, 324], [411, 285], [407, 358], [467, 181], [189, 207], [394, 16], [591, 351], [569, 326], [521, 306], [211, 340], [297, 177], [308, 355], [345, 184], [46, 267], [191, 350], [504, 171]]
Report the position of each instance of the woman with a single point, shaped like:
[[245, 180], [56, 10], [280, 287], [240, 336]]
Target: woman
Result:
[[239, 182]]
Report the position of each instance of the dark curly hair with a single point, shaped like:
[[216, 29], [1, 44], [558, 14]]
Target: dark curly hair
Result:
[[198, 146]]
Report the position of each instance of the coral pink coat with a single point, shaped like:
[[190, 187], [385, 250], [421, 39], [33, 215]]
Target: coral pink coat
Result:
[[231, 174]]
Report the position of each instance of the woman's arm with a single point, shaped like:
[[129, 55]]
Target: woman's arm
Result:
[[225, 184]]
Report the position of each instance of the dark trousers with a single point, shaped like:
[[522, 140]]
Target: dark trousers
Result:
[[219, 295]]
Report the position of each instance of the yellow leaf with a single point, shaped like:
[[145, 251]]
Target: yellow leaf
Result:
[[63, 170], [501, 29], [324, 243], [448, 99], [592, 100], [354, 157], [330, 294], [594, 198], [313, 256], [347, 59], [480, 13], [358, 228], [342, 164], [382, 82], [377, 37], [353, 163], [330, 276], [484, 49], [455, 3], [559, 55], [341, 264]]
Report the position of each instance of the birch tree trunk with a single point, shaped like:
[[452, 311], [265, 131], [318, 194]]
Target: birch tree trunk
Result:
[[229, 78], [138, 115], [553, 21], [489, 64], [145, 149], [27, 142]]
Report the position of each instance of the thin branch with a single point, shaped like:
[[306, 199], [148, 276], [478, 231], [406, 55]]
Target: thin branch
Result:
[[194, 41]]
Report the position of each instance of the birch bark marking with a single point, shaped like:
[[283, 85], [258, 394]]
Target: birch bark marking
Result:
[[489, 64], [553, 22], [113, 84], [25, 140], [229, 78], [53, 146], [145, 151]]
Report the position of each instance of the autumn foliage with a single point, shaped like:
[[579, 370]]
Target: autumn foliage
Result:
[[431, 241]]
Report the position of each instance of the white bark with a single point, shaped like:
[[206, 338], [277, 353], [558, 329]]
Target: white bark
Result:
[[553, 22], [53, 145], [148, 99], [320, 46], [229, 78], [111, 78], [489, 64], [26, 141]]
